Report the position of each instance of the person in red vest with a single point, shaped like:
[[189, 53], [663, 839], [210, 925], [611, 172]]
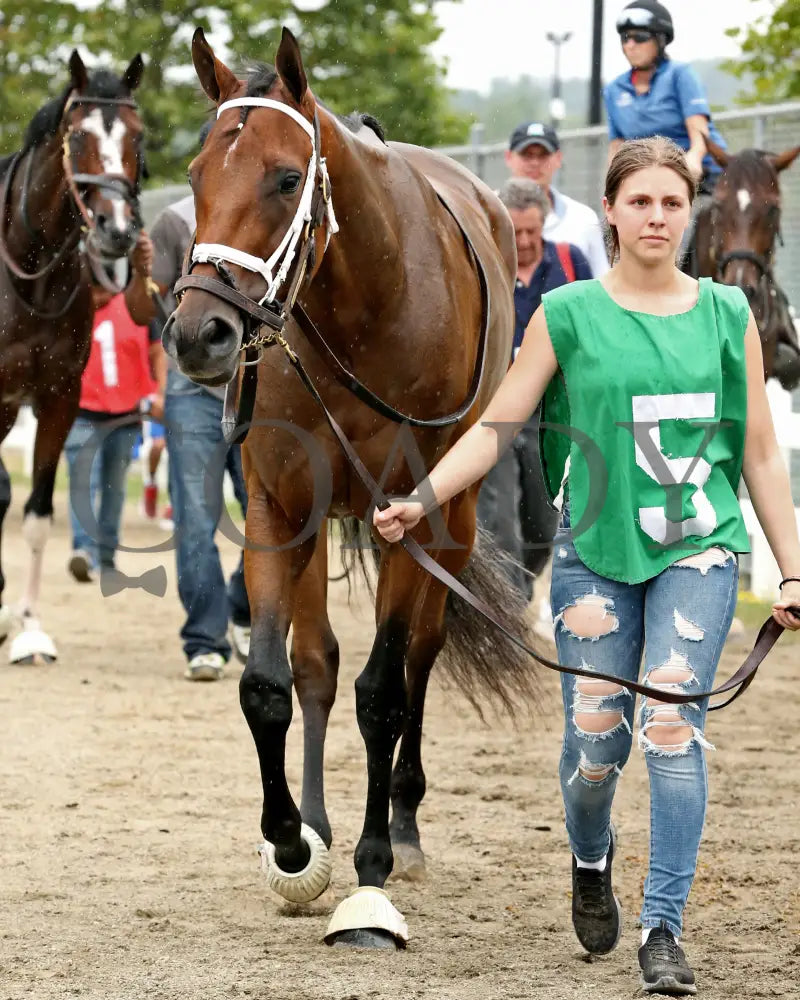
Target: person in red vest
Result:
[[119, 386]]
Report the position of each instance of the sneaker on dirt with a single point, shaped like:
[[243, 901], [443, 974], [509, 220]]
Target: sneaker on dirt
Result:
[[663, 964], [240, 640], [80, 566], [206, 667], [596, 913]]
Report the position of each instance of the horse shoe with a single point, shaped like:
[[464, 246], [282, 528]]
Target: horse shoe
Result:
[[307, 884]]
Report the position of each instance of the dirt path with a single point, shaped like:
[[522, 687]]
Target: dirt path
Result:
[[129, 805]]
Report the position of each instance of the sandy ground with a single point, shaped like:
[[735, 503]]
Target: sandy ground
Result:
[[129, 805]]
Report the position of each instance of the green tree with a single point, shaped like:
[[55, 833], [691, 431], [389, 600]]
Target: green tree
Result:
[[371, 55], [770, 48]]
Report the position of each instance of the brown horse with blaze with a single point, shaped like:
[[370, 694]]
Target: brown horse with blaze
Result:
[[394, 286]]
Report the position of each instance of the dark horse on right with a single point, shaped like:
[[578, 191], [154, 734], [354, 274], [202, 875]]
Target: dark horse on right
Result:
[[734, 243], [68, 209]]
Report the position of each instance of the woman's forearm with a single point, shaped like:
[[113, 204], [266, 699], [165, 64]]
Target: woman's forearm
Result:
[[468, 460], [770, 493]]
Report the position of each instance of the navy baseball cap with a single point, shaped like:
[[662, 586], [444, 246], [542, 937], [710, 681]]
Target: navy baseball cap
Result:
[[533, 134]]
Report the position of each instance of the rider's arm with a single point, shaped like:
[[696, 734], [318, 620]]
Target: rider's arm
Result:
[[137, 294], [765, 474], [477, 451], [697, 128]]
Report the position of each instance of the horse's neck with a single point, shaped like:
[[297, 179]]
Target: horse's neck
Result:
[[361, 262], [44, 212]]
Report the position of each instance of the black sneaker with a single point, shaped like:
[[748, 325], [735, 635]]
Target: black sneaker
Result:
[[663, 964], [596, 913]]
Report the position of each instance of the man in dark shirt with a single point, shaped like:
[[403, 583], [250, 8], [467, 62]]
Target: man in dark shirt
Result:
[[513, 503]]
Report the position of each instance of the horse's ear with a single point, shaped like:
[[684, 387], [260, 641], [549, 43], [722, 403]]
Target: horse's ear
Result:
[[784, 160], [721, 156], [132, 76], [215, 78], [78, 73], [289, 64]]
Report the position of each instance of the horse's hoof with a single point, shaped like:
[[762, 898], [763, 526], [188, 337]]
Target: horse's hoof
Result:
[[363, 939], [409, 863], [307, 884], [32, 647], [367, 919]]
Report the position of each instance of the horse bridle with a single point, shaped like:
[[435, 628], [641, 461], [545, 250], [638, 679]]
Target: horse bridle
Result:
[[82, 233]]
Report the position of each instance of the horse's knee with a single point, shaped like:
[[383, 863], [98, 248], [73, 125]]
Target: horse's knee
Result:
[[315, 672], [266, 701], [36, 531]]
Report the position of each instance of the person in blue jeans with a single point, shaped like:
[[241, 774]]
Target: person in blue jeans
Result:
[[198, 459]]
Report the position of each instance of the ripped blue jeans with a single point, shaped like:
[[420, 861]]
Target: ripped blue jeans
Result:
[[676, 624]]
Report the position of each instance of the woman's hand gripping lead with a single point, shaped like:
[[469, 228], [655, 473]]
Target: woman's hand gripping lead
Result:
[[398, 518]]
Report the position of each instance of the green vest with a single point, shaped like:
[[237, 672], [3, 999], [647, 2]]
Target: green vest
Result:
[[650, 411]]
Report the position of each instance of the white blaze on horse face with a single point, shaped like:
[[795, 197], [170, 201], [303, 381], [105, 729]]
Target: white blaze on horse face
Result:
[[109, 144], [744, 198]]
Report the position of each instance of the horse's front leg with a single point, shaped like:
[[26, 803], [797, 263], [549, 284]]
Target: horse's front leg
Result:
[[408, 777], [295, 857], [367, 918], [55, 415], [8, 415], [315, 665]]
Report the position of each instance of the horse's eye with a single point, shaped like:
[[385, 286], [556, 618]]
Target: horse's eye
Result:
[[289, 184]]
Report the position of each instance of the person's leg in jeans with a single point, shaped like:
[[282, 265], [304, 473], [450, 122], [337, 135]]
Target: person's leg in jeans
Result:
[[82, 452], [688, 611], [497, 512], [537, 518], [196, 451], [238, 603], [599, 625], [115, 454]]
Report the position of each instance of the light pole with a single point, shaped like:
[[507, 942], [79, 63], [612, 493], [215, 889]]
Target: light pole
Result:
[[557, 109], [595, 82]]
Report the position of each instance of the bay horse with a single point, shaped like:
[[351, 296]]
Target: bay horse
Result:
[[735, 243], [69, 206], [409, 284]]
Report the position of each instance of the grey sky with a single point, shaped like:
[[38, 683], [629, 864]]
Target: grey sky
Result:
[[484, 39]]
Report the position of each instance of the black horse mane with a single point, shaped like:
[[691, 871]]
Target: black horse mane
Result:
[[45, 123], [262, 78]]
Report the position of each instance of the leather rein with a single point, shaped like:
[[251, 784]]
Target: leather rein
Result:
[[81, 235], [272, 318]]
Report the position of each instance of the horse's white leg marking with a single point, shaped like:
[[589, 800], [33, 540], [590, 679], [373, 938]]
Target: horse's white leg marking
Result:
[[35, 531]]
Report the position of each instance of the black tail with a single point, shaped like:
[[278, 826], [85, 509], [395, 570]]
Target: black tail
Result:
[[477, 659]]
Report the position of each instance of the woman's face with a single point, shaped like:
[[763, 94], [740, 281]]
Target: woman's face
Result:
[[651, 212], [640, 48]]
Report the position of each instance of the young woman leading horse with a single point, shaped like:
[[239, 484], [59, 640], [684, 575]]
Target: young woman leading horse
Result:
[[68, 203], [650, 576], [409, 284]]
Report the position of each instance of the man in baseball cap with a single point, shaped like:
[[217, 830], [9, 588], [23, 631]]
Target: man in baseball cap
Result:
[[535, 152]]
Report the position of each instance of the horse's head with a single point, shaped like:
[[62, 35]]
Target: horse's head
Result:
[[745, 222], [103, 154], [258, 187]]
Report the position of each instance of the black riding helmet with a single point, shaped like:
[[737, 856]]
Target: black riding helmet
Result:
[[647, 15]]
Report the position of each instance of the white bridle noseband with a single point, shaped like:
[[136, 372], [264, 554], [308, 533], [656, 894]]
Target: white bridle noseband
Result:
[[286, 249]]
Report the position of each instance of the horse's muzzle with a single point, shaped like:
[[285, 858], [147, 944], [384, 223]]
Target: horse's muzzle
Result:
[[208, 354]]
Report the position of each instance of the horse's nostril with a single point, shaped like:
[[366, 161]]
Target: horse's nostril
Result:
[[218, 336]]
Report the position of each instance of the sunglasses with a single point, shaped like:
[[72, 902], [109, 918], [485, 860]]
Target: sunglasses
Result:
[[636, 36]]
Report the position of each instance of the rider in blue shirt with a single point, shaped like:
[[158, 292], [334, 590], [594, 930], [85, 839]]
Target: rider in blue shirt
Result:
[[658, 96]]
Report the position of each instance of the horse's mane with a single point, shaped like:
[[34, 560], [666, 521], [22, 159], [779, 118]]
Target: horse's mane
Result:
[[45, 123], [749, 168], [261, 79]]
